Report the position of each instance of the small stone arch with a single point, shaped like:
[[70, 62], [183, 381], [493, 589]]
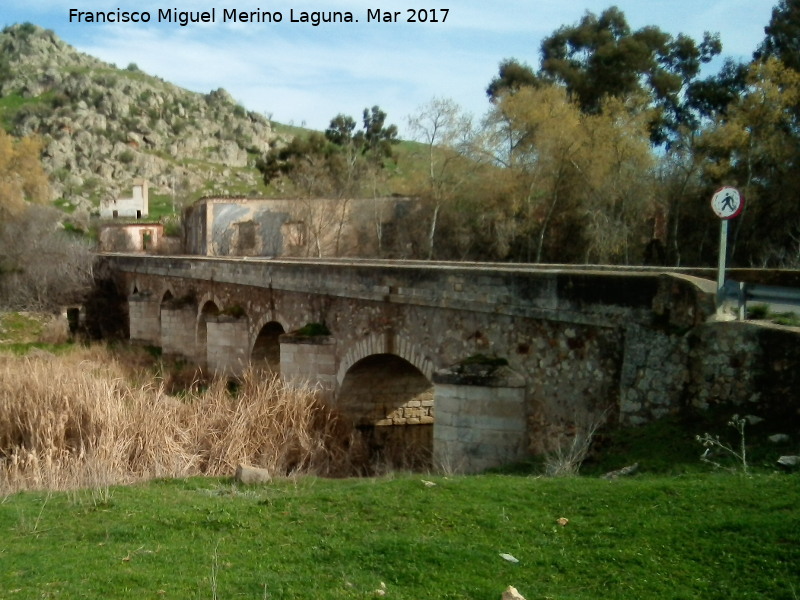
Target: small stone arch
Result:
[[166, 296], [206, 308], [208, 299], [266, 348]]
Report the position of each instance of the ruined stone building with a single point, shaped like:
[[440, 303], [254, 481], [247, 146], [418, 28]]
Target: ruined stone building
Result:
[[219, 226], [130, 237]]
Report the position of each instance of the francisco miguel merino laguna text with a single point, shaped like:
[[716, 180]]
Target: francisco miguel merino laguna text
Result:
[[229, 15]]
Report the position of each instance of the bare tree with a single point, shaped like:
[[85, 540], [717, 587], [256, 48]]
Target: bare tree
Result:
[[43, 266], [445, 131]]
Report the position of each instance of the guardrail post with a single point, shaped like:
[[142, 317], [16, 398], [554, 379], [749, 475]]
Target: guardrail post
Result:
[[742, 301]]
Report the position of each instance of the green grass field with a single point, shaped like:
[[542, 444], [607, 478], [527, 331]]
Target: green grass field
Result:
[[692, 536]]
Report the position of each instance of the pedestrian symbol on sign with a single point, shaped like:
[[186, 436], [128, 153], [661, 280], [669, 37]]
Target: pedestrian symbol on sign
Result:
[[727, 203]]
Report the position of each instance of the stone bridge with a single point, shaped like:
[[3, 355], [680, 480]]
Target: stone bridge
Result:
[[492, 362]]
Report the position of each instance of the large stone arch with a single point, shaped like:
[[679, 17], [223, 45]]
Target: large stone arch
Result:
[[384, 343]]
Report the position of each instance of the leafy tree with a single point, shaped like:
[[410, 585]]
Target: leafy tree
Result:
[[336, 163], [754, 146], [783, 35], [378, 137], [616, 171], [341, 130], [43, 267], [303, 162], [512, 76], [22, 177], [602, 57], [444, 130], [40, 265], [577, 186], [711, 96]]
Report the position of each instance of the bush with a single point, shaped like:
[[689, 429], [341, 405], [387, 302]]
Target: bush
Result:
[[75, 421], [757, 311], [43, 267]]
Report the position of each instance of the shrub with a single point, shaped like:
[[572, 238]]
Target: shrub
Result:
[[75, 421], [757, 311], [312, 330]]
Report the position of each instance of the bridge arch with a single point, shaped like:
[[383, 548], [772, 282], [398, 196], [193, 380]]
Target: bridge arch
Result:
[[390, 402], [384, 343], [266, 348], [385, 388], [207, 307]]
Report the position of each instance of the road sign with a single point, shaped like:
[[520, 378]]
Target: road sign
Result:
[[727, 203]]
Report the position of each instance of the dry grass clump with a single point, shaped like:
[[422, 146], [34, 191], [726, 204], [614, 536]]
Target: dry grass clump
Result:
[[75, 421]]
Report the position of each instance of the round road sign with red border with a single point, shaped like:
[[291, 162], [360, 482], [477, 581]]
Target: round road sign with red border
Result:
[[727, 202]]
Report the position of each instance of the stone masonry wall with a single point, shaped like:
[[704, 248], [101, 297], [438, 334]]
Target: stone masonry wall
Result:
[[654, 374]]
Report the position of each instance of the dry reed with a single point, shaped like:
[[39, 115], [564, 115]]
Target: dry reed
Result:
[[76, 421]]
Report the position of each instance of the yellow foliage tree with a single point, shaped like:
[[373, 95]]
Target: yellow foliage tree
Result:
[[580, 180], [22, 177]]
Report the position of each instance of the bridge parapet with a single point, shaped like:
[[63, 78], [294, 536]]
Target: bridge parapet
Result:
[[588, 296]]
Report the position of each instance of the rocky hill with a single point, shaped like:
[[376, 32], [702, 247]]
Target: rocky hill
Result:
[[102, 126]]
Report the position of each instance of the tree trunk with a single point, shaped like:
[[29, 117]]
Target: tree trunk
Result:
[[432, 232]]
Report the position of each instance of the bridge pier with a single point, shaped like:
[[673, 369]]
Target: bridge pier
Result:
[[310, 361], [144, 319], [178, 331], [227, 347], [481, 420]]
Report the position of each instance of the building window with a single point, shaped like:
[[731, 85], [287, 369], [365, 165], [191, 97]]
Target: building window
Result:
[[246, 237]]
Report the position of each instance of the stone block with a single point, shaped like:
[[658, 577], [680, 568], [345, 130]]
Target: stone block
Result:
[[249, 475]]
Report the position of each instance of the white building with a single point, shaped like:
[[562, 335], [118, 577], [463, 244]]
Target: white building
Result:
[[136, 207]]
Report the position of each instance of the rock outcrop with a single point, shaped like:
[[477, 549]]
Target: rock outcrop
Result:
[[102, 126]]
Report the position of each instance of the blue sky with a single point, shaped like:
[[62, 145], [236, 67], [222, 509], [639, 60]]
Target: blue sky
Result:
[[301, 74]]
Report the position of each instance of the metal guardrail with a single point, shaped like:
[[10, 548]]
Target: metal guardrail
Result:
[[740, 294]]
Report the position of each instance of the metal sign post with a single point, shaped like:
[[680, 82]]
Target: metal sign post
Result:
[[727, 203], [723, 257]]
